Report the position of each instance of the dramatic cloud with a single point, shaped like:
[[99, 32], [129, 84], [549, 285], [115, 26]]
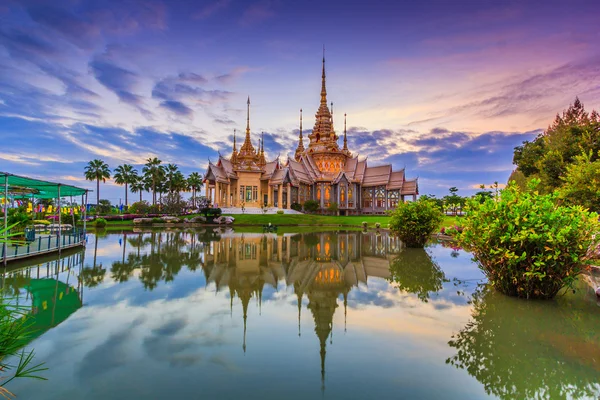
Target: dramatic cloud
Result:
[[116, 79], [177, 107]]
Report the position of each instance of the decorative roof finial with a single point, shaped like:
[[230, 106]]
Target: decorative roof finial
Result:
[[345, 137], [234, 149], [323, 89], [300, 148]]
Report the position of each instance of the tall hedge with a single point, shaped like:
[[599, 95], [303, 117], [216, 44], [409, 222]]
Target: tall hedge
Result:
[[527, 244], [415, 221]]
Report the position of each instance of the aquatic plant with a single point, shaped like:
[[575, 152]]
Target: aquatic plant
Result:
[[527, 244], [13, 336]]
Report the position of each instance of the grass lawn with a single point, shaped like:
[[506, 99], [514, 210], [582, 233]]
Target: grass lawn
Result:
[[304, 220]]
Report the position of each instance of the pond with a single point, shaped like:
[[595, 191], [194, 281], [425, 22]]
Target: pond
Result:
[[337, 315]]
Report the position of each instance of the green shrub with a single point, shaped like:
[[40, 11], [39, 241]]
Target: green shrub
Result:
[[296, 206], [157, 220], [139, 207], [280, 212], [41, 221], [100, 223], [377, 225], [311, 205], [70, 219], [333, 208], [415, 221], [104, 207], [526, 244], [364, 224]]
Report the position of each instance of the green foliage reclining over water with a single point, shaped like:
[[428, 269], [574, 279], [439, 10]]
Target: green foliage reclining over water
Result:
[[415, 221], [526, 244]]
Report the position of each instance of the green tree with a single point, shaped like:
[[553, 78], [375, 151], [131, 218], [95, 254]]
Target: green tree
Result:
[[549, 154], [194, 182], [97, 170], [153, 173], [582, 183], [125, 175], [138, 186], [415, 221]]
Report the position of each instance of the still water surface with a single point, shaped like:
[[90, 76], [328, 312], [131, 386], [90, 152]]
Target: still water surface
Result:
[[335, 315]]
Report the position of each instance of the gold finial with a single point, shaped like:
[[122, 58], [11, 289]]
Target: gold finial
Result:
[[332, 116], [248, 117], [234, 149], [323, 89], [345, 137]]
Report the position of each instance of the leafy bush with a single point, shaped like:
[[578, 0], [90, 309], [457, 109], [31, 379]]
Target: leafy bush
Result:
[[526, 244], [18, 216], [364, 224], [377, 225], [104, 207], [173, 204], [41, 221], [415, 221], [296, 206], [311, 206], [157, 220], [210, 212], [139, 207], [333, 208], [280, 212], [70, 219], [100, 223]]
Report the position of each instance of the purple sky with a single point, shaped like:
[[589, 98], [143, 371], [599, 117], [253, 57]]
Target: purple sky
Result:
[[447, 89]]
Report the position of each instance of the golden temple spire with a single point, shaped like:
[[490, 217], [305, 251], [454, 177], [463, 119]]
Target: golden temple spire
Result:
[[345, 137], [248, 118], [247, 152], [323, 89], [300, 148], [234, 155]]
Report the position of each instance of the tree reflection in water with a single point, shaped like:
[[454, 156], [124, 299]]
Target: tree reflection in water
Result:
[[512, 346], [414, 271]]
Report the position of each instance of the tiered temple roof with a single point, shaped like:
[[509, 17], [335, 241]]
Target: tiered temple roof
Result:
[[321, 160]]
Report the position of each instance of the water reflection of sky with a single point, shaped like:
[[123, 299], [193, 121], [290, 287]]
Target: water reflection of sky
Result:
[[185, 337]]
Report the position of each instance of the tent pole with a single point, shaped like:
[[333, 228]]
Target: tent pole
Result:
[[59, 221], [85, 215], [5, 244]]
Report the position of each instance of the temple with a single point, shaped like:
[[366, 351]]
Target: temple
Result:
[[320, 267], [321, 171]]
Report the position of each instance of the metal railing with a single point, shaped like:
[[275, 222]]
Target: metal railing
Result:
[[44, 243]]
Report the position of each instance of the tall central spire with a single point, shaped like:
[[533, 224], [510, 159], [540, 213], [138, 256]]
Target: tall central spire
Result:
[[323, 89], [247, 150], [248, 121]]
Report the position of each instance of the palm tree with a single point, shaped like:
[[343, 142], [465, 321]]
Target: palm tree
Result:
[[138, 186], [195, 183], [96, 170], [172, 177], [125, 175], [153, 172]]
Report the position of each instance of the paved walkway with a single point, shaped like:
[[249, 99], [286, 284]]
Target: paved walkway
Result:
[[256, 210]]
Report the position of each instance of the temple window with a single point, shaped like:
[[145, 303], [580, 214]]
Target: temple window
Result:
[[350, 197], [242, 189], [380, 196], [393, 198], [248, 193], [367, 198], [327, 195], [255, 193]]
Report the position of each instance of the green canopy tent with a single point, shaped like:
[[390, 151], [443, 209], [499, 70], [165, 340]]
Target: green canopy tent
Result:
[[52, 303], [21, 187]]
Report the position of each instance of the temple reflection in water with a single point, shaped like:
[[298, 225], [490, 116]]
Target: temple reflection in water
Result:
[[322, 266]]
